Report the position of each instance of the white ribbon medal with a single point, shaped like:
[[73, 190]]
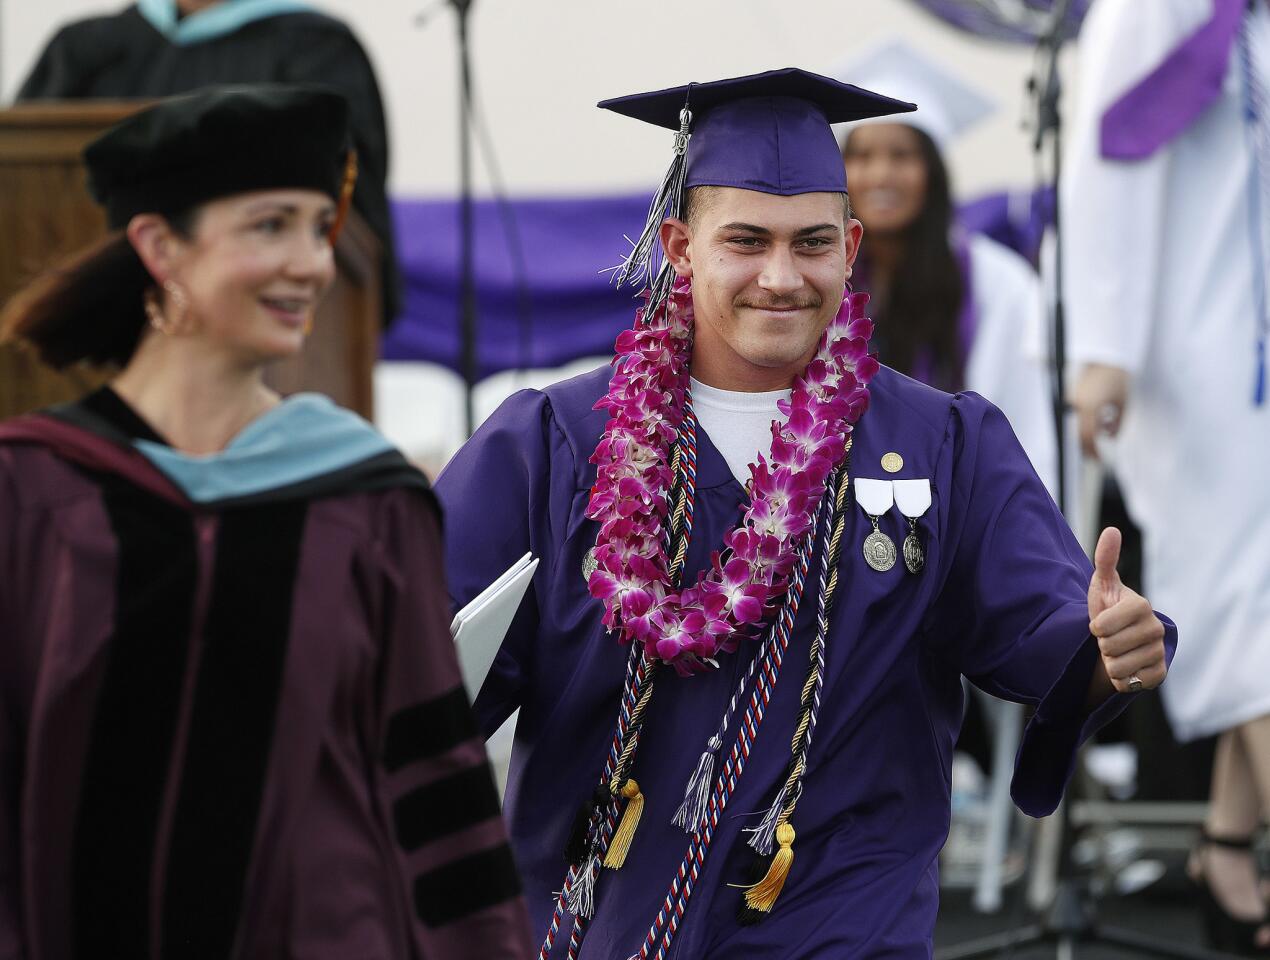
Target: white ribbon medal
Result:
[[913, 499], [875, 498]]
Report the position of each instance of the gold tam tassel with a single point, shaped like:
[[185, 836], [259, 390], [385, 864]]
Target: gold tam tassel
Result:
[[346, 195], [762, 896], [621, 843]]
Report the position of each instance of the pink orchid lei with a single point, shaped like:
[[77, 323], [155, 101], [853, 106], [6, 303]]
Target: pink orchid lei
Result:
[[630, 499]]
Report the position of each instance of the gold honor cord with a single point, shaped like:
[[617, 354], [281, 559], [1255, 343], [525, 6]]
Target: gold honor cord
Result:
[[620, 786], [762, 896]]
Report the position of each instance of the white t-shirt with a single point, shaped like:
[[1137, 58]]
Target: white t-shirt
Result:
[[738, 424]]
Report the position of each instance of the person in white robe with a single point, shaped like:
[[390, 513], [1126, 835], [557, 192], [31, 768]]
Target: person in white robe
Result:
[[1164, 212]]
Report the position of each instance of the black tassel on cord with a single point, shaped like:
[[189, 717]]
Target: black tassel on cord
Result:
[[577, 848], [746, 915]]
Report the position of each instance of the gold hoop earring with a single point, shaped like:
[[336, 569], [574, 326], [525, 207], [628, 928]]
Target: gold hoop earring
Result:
[[154, 313], [180, 307]]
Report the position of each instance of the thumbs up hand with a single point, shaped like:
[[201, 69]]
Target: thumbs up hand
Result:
[[1130, 636]]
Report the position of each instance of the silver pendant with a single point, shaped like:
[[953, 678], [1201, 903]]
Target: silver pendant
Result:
[[589, 565], [879, 549], [914, 556]]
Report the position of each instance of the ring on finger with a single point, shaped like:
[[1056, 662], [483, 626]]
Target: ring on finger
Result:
[[1135, 683]]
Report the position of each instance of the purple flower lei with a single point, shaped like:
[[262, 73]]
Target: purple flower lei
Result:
[[732, 599]]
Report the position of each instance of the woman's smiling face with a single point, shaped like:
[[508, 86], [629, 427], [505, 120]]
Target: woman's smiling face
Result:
[[886, 174], [254, 268]]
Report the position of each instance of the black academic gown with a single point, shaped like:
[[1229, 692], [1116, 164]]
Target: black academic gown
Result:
[[122, 56]]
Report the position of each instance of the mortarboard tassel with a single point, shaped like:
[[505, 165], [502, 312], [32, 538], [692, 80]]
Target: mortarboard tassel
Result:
[[620, 845], [638, 268], [346, 195], [762, 896]]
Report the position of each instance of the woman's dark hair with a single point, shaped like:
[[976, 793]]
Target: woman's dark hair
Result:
[[918, 320], [90, 306]]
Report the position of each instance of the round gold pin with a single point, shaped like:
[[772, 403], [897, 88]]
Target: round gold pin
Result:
[[892, 462]]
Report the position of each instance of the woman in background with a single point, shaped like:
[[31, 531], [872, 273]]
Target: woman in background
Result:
[[231, 717], [957, 311]]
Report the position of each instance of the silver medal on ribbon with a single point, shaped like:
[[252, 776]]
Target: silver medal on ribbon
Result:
[[913, 498], [875, 498], [879, 549]]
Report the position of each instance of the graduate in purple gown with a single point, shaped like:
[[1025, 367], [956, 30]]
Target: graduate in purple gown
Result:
[[766, 564], [231, 716]]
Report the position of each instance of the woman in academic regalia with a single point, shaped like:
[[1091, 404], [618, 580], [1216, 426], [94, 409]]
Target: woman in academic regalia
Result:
[[231, 717], [957, 311]]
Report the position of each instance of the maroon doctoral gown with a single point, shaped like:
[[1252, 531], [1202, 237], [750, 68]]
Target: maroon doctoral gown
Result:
[[231, 719]]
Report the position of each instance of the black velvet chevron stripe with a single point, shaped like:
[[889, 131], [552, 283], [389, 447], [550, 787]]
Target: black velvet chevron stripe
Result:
[[126, 764], [231, 728], [457, 889], [445, 807], [427, 729]]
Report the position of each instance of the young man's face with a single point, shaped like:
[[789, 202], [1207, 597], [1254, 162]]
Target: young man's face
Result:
[[768, 274]]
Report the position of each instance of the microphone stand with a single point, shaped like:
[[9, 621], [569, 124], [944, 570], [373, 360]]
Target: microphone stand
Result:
[[468, 325], [1073, 917]]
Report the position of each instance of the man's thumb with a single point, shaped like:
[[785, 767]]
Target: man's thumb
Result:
[[1107, 555], [1104, 588]]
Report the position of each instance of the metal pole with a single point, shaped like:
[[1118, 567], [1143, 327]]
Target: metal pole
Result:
[[467, 266]]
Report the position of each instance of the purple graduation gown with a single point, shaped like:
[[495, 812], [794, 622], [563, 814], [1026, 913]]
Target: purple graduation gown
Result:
[[234, 731], [1002, 600]]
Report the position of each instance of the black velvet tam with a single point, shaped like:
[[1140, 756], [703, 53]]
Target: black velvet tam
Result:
[[220, 141]]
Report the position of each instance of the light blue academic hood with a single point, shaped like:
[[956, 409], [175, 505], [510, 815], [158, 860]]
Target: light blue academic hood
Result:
[[216, 21]]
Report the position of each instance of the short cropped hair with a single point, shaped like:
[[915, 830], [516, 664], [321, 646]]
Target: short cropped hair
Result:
[[697, 201]]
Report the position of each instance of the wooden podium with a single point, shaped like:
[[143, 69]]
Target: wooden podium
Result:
[[46, 213]]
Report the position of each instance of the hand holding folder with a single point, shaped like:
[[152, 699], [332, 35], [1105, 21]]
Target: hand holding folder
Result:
[[478, 629]]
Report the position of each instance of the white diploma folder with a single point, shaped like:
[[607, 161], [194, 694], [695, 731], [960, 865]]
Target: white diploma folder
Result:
[[478, 629]]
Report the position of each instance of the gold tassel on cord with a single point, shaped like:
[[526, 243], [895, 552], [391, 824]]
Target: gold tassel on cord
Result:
[[762, 896], [620, 846]]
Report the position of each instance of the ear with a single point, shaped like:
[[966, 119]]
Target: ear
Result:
[[676, 242], [854, 234], [156, 243]]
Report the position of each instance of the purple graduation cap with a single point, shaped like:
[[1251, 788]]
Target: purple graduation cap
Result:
[[768, 132]]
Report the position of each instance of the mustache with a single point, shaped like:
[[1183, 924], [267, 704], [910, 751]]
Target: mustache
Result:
[[781, 303]]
